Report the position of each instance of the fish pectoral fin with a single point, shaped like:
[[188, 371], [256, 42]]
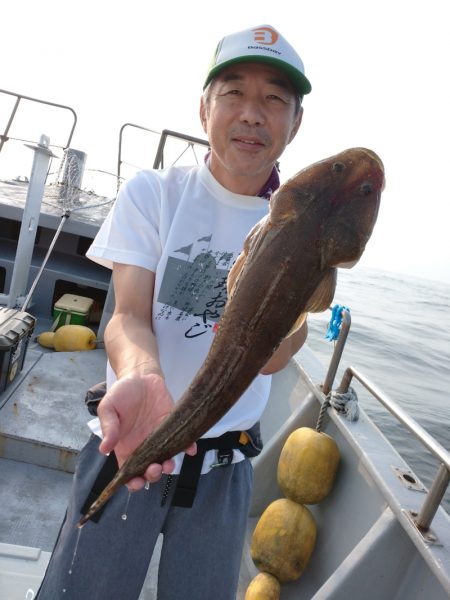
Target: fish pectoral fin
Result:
[[298, 323], [347, 265], [319, 301], [250, 242], [323, 295]]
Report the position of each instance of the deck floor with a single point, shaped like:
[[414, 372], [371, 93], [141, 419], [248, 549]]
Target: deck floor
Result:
[[34, 501], [43, 426]]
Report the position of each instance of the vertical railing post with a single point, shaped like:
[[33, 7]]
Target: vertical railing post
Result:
[[337, 353], [434, 498], [30, 220]]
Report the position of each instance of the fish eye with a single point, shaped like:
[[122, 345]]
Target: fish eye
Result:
[[338, 167], [366, 188]]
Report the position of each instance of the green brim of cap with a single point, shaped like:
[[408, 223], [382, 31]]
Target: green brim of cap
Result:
[[296, 77]]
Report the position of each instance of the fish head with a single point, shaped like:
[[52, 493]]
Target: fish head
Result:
[[357, 180], [339, 197]]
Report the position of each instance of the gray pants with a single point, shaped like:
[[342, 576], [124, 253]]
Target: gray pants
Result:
[[202, 545]]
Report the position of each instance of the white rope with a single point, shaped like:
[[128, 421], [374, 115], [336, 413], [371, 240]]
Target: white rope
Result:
[[345, 404]]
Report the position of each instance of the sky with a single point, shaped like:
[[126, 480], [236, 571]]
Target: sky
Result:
[[379, 75]]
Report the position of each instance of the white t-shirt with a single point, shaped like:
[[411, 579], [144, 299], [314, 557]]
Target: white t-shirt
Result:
[[188, 229]]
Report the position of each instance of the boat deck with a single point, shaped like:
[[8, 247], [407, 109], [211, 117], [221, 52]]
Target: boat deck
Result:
[[86, 216], [42, 428], [366, 547], [44, 416]]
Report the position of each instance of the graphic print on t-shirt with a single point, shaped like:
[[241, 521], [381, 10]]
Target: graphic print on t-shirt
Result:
[[195, 285]]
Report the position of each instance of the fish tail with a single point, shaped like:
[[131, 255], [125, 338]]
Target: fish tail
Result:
[[109, 490]]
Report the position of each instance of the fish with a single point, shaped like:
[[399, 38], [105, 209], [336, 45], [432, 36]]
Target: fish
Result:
[[319, 220]]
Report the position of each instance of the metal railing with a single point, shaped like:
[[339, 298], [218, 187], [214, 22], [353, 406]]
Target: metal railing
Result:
[[158, 162], [440, 483], [4, 137], [120, 162], [166, 133]]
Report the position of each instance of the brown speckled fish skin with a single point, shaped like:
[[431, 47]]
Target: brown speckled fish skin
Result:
[[320, 218]]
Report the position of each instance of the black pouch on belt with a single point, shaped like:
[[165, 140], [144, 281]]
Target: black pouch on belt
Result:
[[248, 442], [93, 397]]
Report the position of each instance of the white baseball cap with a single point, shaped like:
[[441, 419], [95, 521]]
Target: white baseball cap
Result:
[[260, 44]]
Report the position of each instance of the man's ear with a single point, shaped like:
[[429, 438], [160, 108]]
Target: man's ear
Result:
[[203, 114], [296, 124]]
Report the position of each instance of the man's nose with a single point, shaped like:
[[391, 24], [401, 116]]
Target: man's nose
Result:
[[253, 113]]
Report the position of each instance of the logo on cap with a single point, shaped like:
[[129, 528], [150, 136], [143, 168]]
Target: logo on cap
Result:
[[265, 35]]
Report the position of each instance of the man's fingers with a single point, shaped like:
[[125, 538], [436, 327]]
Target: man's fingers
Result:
[[192, 450], [153, 472], [151, 475], [136, 484]]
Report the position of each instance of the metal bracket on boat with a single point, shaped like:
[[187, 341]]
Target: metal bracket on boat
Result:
[[409, 479], [427, 534], [43, 147]]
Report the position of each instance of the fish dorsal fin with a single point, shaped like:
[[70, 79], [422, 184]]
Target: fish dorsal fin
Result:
[[320, 300]]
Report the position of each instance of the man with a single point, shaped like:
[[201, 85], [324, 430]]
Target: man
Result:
[[171, 239]]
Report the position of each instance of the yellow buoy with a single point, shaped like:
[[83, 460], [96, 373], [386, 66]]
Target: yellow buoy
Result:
[[284, 539], [263, 587], [307, 466], [46, 339], [69, 338]]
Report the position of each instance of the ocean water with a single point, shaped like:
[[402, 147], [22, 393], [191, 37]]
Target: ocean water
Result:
[[400, 339]]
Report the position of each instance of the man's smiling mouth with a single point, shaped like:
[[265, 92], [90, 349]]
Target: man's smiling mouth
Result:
[[248, 141]]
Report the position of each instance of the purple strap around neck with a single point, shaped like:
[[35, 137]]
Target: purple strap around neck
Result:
[[271, 185]]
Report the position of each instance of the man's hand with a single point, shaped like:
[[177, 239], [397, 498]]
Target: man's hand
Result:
[[133, 407]]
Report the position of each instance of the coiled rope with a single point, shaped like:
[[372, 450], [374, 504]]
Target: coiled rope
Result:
[[345, 404]]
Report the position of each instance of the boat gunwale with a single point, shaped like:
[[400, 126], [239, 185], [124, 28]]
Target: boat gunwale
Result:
[[380, 466]]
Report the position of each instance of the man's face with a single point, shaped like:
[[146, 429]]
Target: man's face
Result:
[[250, 117]]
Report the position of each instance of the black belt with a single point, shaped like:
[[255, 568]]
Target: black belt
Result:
[[191, 468]]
